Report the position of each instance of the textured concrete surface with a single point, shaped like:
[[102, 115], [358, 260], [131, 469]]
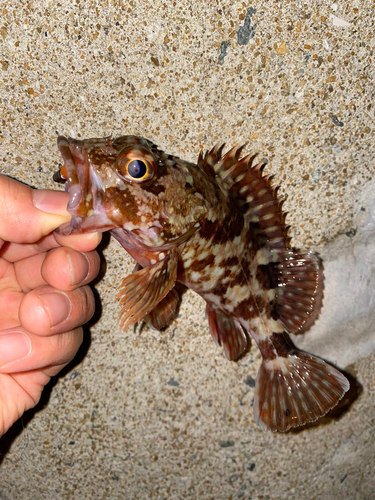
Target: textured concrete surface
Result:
[[149, 415], [348, 313]]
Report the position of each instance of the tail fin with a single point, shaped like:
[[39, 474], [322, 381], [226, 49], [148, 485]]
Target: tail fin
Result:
[[295, 390]]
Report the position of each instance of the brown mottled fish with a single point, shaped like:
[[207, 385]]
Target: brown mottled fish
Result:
[[216, 226]]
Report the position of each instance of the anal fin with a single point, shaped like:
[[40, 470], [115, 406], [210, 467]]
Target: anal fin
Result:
[[294, 390], [228, 332], [140, 292]]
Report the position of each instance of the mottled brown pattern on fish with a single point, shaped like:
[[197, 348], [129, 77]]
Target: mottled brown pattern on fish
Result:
[[262, 304], [216, 226], [199, 265], [207, 230], [276, 345], [155, 189], [121, 204], [262, 276], [246, 309], [230, 262], [267, 349], [236, 227]]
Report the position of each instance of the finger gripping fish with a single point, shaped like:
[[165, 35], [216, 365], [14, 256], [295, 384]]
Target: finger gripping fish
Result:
[[217, 226]]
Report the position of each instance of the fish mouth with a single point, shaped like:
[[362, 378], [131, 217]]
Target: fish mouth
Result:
[[80, 189], [73, 156]]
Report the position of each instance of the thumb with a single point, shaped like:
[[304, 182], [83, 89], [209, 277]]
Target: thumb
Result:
[[27, 214]]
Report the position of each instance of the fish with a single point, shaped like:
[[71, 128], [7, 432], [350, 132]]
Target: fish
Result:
[[217, 226]]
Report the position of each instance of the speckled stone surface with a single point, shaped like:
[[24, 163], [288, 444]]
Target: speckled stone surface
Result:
[[164, 415]]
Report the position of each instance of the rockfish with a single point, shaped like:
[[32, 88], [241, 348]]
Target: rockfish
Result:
[[216, 226]]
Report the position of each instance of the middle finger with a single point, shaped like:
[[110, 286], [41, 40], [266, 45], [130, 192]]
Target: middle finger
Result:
[[62, 268], [13, 252]]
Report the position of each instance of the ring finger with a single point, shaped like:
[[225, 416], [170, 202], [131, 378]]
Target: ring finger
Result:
[[47, 311]]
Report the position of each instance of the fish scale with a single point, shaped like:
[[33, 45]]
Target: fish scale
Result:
[[216, 226]]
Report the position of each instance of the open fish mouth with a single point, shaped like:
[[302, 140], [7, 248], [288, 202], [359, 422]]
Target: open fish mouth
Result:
[[76, 173], [73, 155]]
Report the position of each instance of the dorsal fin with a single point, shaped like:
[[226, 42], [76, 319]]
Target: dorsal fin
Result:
[[250, 191], [210, 158]]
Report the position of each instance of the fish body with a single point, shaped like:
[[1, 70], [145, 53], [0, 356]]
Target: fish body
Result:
[[217, 227]]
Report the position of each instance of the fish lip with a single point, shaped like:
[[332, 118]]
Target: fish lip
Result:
[[77, 169], [63, 143], [73, 156], [79, 186]]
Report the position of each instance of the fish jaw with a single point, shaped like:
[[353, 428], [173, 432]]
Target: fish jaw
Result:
[[88, 214]]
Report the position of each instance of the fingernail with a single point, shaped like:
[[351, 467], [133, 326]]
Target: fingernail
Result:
[[52, 202], [13, 347], [57, 305], [79, 266]]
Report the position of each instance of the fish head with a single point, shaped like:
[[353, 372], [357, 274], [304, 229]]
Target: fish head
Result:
[[129, 186]]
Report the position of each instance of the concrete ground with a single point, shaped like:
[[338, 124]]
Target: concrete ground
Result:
[[164, 415]]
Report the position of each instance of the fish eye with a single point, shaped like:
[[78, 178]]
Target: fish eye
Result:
[[135, 166], [137, 169]]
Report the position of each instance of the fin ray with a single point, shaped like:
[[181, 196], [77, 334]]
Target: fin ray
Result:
[[140, 292], [299, 292], [295, 390], [162, 315], [227, 332], [251, 192]]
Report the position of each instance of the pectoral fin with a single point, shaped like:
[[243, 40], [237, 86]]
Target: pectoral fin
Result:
[[140, 292]]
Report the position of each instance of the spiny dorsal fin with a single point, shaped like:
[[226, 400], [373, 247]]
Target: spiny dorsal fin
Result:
[[250, 191], [210, 158]]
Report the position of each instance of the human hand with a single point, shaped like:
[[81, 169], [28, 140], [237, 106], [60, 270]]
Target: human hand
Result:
[[44, 299]]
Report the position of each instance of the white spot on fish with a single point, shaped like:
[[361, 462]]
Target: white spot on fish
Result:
[[237, 294], [212, 298], [263, 257], [187, 263], [195, 276], [236, 241], [189, 254], [204, 254], [276, 326], [281, 364], [217, 272], [219, 259]]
